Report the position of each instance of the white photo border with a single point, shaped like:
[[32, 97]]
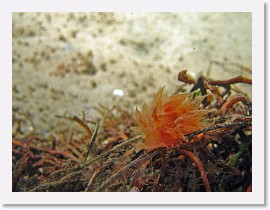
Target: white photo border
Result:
[[257, 196]]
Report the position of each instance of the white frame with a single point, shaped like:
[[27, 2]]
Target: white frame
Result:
[[257, 196]]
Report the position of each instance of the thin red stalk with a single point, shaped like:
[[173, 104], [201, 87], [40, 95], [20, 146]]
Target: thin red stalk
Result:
[[230, 102], [239, 79], [200, 167]]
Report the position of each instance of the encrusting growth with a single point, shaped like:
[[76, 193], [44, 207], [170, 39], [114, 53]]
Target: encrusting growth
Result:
[[169, 119]]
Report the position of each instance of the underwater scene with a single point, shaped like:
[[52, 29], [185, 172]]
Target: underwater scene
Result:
[[131, 102]]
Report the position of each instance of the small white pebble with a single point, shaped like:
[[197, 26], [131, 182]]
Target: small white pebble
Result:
[[118, 92]]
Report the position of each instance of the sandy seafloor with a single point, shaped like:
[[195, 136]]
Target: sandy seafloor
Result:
[[66, 63]]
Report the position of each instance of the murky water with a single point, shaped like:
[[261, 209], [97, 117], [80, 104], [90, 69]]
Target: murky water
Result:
[[66, 63]]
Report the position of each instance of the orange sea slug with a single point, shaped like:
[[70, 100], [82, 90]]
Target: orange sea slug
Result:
[[169, 119]]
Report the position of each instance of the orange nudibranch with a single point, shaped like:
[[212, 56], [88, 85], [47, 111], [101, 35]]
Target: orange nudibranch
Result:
[[166, 122]]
